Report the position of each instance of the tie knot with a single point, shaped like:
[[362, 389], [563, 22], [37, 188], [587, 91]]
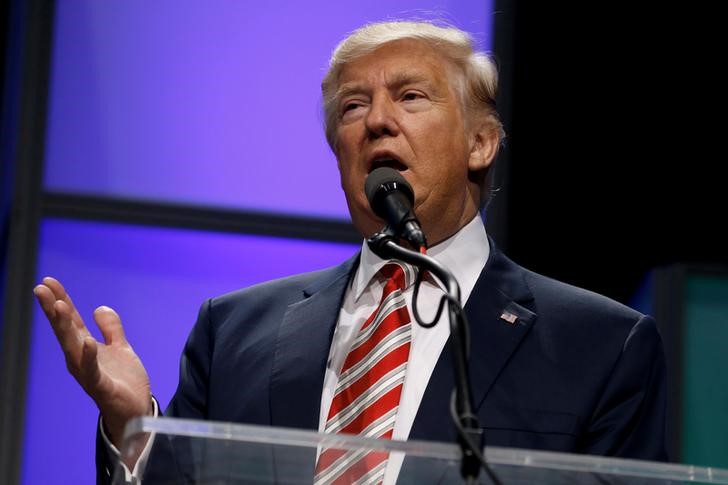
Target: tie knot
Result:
[[399, 276]]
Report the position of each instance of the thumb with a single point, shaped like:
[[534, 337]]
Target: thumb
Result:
[[109, 323]]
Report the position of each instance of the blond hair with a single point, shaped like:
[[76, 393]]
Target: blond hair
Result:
[[478, 80]]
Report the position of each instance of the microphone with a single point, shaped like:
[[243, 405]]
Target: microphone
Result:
[[391, 198]]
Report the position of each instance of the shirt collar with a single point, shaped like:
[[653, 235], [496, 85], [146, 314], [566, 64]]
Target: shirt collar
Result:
[[464, 253]]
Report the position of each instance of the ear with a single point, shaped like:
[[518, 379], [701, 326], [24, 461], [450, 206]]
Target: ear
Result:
[[484, 146]]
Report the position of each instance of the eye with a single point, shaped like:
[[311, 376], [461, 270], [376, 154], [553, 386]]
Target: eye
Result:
[[350, 106], [412, 96]]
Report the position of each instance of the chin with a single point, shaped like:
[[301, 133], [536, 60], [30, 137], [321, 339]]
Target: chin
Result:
[[366, 223]]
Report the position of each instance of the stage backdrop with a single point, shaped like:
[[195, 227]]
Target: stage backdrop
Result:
[[207, 103]]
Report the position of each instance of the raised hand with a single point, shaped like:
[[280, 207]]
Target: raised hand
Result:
[[109, 372]]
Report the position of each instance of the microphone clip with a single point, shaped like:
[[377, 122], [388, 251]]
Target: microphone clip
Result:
[[377, 243]]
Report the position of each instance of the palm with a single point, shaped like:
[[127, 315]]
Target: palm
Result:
[[122, 386]]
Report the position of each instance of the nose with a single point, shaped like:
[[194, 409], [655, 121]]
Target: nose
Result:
[[381, 119]]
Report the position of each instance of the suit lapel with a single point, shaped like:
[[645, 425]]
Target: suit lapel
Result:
[[494, 339], [499, 295], [307, 328], [302, 349]]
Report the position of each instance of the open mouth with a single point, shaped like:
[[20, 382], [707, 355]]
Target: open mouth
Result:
[[388, 162]]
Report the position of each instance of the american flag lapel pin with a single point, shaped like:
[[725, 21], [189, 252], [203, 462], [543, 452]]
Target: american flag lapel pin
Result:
[[509, 317]]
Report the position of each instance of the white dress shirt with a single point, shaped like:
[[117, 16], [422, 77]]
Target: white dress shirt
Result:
[[465, 255], [141, 463]]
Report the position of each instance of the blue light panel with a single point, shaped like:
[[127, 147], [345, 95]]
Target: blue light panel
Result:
[[156, 279], [208, 103]]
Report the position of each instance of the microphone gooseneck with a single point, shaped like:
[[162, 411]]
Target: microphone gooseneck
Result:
[[391, 197]]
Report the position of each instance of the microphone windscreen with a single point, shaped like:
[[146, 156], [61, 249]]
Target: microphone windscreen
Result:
[[385, 179]]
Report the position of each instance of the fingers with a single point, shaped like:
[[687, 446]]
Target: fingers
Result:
[[80, 348], [46, 298], [60, 294], [48, 294], [89, 363], [65, 321], [68, 335], [110, 324]]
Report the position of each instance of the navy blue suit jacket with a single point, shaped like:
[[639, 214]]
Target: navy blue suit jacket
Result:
[[577, 372]]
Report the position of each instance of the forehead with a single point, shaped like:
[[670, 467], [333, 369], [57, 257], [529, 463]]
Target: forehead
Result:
[[405, 60]]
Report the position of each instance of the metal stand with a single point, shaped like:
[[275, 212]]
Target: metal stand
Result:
[[470, 435]]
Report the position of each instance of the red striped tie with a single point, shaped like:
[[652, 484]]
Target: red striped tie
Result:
[[370, 386]]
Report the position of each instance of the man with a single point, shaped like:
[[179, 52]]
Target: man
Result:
[[552, 366]]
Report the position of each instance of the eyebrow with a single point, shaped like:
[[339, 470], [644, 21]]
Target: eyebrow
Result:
[[403, 78], [397, 81]]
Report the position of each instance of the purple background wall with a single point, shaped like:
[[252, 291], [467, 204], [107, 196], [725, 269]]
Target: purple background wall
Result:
[[156, 279], [182, 102]]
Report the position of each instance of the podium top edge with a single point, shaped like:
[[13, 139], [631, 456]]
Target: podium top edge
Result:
[[247, 433]]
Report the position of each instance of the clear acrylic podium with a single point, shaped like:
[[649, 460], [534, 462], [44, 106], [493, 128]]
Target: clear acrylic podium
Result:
[[206, 452]]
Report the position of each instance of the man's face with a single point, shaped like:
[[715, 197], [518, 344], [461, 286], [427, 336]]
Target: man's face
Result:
[[398, 107]]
